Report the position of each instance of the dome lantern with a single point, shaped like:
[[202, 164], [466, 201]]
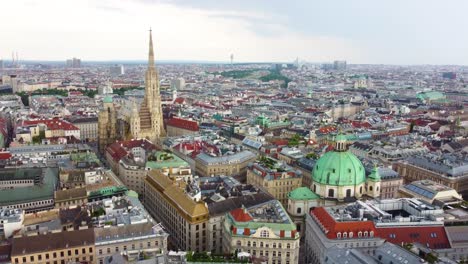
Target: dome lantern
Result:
[[341, 142]]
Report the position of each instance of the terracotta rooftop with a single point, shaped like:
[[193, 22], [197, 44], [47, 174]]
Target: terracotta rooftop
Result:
[[241, 215], [183, 123]]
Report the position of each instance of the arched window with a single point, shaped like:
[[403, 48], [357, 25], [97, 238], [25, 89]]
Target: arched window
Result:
[[359, 234], [351, 234], [345, 235], [331, 193], [299, 210], [338, 235], [370, 188], [348, 193], [264, 233], [366, 234]]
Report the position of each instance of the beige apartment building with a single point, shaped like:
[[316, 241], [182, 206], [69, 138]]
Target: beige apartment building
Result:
[[183, 215], [230, 165], [88, 127], [264, 231], [55, 248], [130, 240], [454, 176], [277, 181]]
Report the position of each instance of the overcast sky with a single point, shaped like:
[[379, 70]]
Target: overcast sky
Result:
[[359, 31]]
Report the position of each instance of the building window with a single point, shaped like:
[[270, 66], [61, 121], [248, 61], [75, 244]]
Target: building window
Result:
[[264, 233], [345, 235], [371, 233], [331, 193], [359, 234], [351, 234], [299, 210], [338, 235], [370, 188], [239, 243], [348, 193]]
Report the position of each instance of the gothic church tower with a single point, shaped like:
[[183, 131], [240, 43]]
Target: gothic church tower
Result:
[[148, 122]]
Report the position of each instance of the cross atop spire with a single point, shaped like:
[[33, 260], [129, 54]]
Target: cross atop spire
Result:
[[151, 52]]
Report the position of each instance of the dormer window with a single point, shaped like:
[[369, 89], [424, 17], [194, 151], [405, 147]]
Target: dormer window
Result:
[[345, 235], [351, 234], [359, 234], [338, 235]]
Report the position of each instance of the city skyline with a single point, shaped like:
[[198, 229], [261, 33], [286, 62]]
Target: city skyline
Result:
[[396, 32]]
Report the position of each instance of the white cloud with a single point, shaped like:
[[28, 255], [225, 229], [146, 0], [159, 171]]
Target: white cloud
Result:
[[109, 30]]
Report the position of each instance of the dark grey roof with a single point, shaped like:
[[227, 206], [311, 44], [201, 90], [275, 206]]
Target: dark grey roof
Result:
[[230, 204], [52, 241], [305, 163]]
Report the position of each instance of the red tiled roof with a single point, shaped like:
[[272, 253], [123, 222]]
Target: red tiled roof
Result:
[[179, 100], [183, 123], [240, 215], [196, 147], [326, 130], [280, 142], [358, 124], [333, 227], [5, 155], [120, 149], [430, 236], [52, 124]]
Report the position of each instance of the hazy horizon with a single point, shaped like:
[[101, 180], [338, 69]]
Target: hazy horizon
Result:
[[419, 32]]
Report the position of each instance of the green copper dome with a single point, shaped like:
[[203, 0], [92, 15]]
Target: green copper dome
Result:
[[339, 168], [341, 137], [107, 99], [302, 193]]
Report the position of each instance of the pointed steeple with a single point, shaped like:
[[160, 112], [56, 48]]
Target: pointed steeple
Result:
[[151, 52]]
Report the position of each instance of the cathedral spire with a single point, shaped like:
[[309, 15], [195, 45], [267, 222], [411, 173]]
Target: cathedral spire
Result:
[[151, 52]]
